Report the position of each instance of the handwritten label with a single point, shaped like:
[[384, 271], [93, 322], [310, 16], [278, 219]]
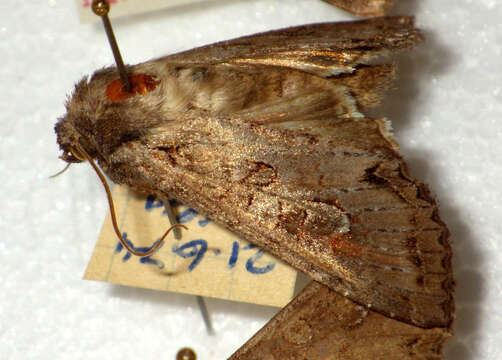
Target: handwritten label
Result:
[[120, 8], [208, 260]]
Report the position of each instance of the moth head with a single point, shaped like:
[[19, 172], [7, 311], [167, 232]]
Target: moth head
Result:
[[73, 130], [77, 129], [93, 116], [101, 115], [70, 142]]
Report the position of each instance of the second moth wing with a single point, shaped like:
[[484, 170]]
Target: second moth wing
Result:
[[320, 324]]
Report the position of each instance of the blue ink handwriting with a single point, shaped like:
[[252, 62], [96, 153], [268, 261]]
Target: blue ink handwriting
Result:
[[142, 260], [196, 249], [152, 202], [250, 262]]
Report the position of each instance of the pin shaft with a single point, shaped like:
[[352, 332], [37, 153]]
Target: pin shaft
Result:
[[172, 218], [200, 300], [205, 314], [101, 8], [116, 53]]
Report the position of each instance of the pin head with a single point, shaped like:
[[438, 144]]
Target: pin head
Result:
[[100, 8], [186, 354]]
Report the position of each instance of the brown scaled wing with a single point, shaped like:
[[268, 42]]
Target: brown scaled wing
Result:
[[319, 324], [292, 165], [300, 172]]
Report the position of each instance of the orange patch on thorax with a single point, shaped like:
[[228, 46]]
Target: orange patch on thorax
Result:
[[140, 84]]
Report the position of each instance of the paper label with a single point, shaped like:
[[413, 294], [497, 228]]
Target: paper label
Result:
[[127, 7], [208, 260]]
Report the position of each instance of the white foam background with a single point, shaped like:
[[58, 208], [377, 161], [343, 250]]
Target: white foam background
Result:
[[446, 113]]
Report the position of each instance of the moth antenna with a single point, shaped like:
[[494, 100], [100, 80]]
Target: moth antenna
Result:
[[60, 172], [80, 152], [102, 8]]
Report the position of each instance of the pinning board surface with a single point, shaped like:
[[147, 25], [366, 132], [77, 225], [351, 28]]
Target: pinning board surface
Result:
[[127, 7], [208, 260]]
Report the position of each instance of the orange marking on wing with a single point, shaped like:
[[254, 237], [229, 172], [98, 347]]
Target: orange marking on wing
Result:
[[340, 245], [141, 84]]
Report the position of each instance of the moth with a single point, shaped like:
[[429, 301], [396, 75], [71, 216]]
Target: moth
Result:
[[266, 134]]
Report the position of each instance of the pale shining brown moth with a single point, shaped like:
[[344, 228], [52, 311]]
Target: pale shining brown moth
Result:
[[266, 135]]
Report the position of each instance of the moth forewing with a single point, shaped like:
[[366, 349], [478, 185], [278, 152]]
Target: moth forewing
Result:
[[265, 134]]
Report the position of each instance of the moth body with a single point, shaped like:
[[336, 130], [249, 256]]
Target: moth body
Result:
[[266, 135]]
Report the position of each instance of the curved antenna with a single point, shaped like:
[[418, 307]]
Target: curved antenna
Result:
[[60, 172], [79, 152]]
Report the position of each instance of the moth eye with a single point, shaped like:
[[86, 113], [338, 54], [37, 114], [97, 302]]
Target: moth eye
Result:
[[74, 156], [69, 157], [186, 354]]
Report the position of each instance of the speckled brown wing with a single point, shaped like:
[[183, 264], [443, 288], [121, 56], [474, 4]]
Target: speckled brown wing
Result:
[[345, 52], [364, 7], [323, 49], [328, 195], [265, 135], [320, 324]]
